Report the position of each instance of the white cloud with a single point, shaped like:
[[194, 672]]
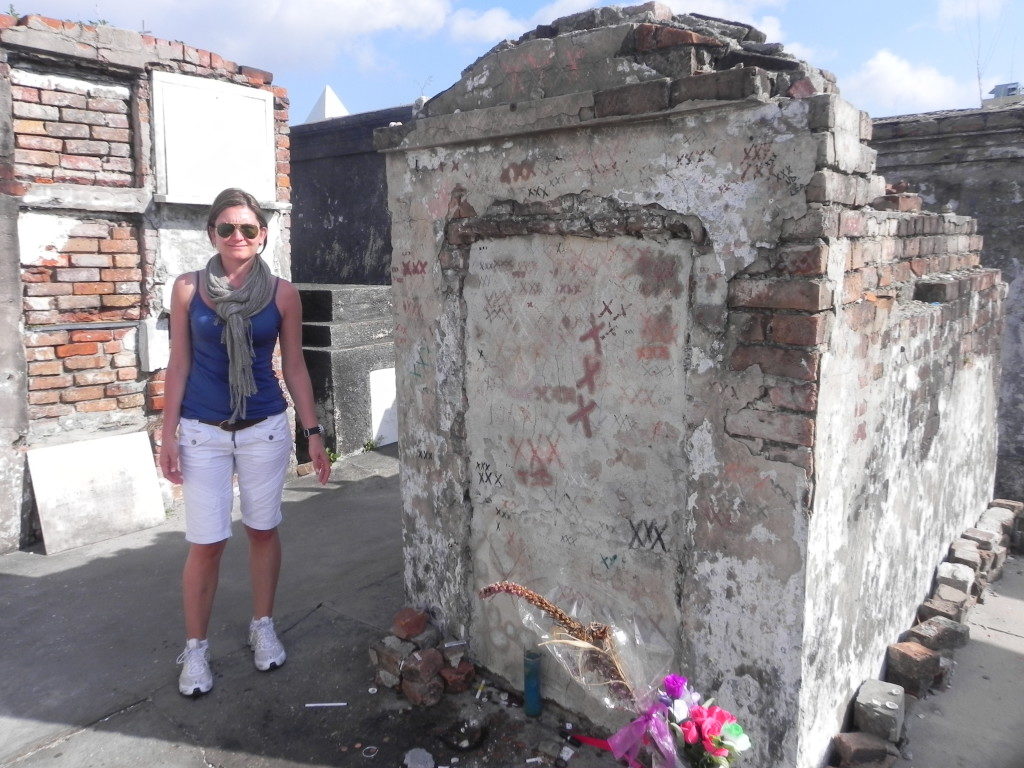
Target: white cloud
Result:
[[493, 24], [889, 85], [952, 13]]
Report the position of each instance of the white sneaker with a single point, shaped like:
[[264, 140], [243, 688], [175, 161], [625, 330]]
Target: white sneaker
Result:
[[267, 651], [195, 677]]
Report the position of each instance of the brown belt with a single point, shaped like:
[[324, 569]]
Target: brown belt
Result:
[[239, 423]]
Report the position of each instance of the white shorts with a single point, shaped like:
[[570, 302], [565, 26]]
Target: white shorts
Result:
[[209, 456]]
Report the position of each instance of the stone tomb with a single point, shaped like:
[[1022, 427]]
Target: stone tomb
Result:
[[654, 350]]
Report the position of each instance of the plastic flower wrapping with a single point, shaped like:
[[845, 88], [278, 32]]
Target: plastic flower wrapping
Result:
[[623, 663]]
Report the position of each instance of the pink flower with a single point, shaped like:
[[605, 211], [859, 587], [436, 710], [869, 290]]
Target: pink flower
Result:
[[704, 725], [675, 686], [691, 734]]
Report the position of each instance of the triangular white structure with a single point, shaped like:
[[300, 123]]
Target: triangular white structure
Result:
[[327, 106]]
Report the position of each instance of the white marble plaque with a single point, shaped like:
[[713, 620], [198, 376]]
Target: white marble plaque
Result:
[[383, 411], [212, 135], [93, 490]]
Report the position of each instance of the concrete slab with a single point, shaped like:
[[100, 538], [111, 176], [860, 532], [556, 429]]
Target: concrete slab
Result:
[[979, 720]]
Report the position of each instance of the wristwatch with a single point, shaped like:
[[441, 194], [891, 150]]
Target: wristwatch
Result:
[[314, 430]]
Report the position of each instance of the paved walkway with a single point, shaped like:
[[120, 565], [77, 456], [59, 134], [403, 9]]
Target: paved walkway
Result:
[[87, 677]]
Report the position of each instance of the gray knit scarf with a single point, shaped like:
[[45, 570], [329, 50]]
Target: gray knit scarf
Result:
[[235, 307]]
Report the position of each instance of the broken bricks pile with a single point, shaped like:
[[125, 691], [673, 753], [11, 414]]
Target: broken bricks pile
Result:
[[413, 661], [923, 660]]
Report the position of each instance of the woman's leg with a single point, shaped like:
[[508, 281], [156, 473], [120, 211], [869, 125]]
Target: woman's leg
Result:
[[264, 569], [199, 585]]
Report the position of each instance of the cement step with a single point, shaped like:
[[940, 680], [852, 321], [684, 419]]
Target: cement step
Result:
[[344, 303], [347, 335]]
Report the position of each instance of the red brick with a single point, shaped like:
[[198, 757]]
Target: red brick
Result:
[[49, 382], [60, 99], [46, 397], [911, 665], [798, 330], [48, 411], [36, 127], [155, 387], [78, 394], [650, 37], [260, 76], [863, 749], [129, 374], [35, 157], [43, 143], [775, 361], [35, 354], [409, 622], [46, 338], [137, 400], [70, 350], [25, 93], [91, 378], [423, 694], [92, 335], [457, 679], [422, 666], [852, 223], [118, 275], [113, 347], [85, 362], [119, 246], [48, 368], [155, 403], [95, 406], [122, 300], [108, 105], [79, 163], [853, 286], [808, 295], [124, 360], [67, 130], [93, 289], [126, 260], [36, 275], [804, 260], [122, 233], [795, 397]]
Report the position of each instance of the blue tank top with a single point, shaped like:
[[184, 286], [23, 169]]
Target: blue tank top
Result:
[[206, 389]]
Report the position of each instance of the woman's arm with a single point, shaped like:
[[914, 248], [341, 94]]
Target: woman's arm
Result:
[[177, 372], [296, 376]]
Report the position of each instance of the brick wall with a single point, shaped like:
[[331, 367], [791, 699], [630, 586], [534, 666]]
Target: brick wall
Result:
[[96, 245]]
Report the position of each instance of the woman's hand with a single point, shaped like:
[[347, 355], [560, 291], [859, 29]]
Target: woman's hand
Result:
[[170, 463], [321, 462]]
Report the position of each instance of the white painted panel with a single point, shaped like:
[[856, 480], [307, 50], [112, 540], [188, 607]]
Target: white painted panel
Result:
[[383, 411], [93, 490], [212, 135]]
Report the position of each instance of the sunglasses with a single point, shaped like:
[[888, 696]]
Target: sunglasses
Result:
[[249, 231]]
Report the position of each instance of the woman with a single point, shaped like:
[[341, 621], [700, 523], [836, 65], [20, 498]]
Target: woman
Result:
[[224, 414]]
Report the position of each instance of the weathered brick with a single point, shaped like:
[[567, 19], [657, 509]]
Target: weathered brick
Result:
[[911, 665], [940, 633], [729, 84], [798, 330], [90, 260], [863, 749], [41, 143], [48, 368], [425, 694], [45, 397], [96, 406], [35, 354], [935, 606], [936, 291], [76, 275], [94, 377], [61, 99], [94, 289], [131, 401], [422, 666], [986, 540], [126, 260], [88, 117], [806, 295], [86, 147], [409, 622], [48, 411], [81, 245], [108, 105], [776, 361], [128, 374], [85, 363], [804, 260], [121, 300], [36, 127], [67, 130], [120, 246], [795, 397], [36, 157], [25, 93], [82, 348], [633, 99], [78, 394], [390, 654], [46, 338], [457, 679], [81, 163], [772, 425], [28, 111], [124, 360], [78, 302], [49, 382], [39, 303]]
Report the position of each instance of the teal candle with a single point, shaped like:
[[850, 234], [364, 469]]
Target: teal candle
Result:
[[531, 683]]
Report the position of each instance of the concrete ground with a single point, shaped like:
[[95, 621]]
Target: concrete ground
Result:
[[87, 677], [87, 674]]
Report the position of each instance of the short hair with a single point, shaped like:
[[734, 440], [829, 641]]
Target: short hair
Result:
[[231, 198]]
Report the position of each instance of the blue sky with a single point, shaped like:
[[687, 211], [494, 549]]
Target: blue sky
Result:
[[889, 57]]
